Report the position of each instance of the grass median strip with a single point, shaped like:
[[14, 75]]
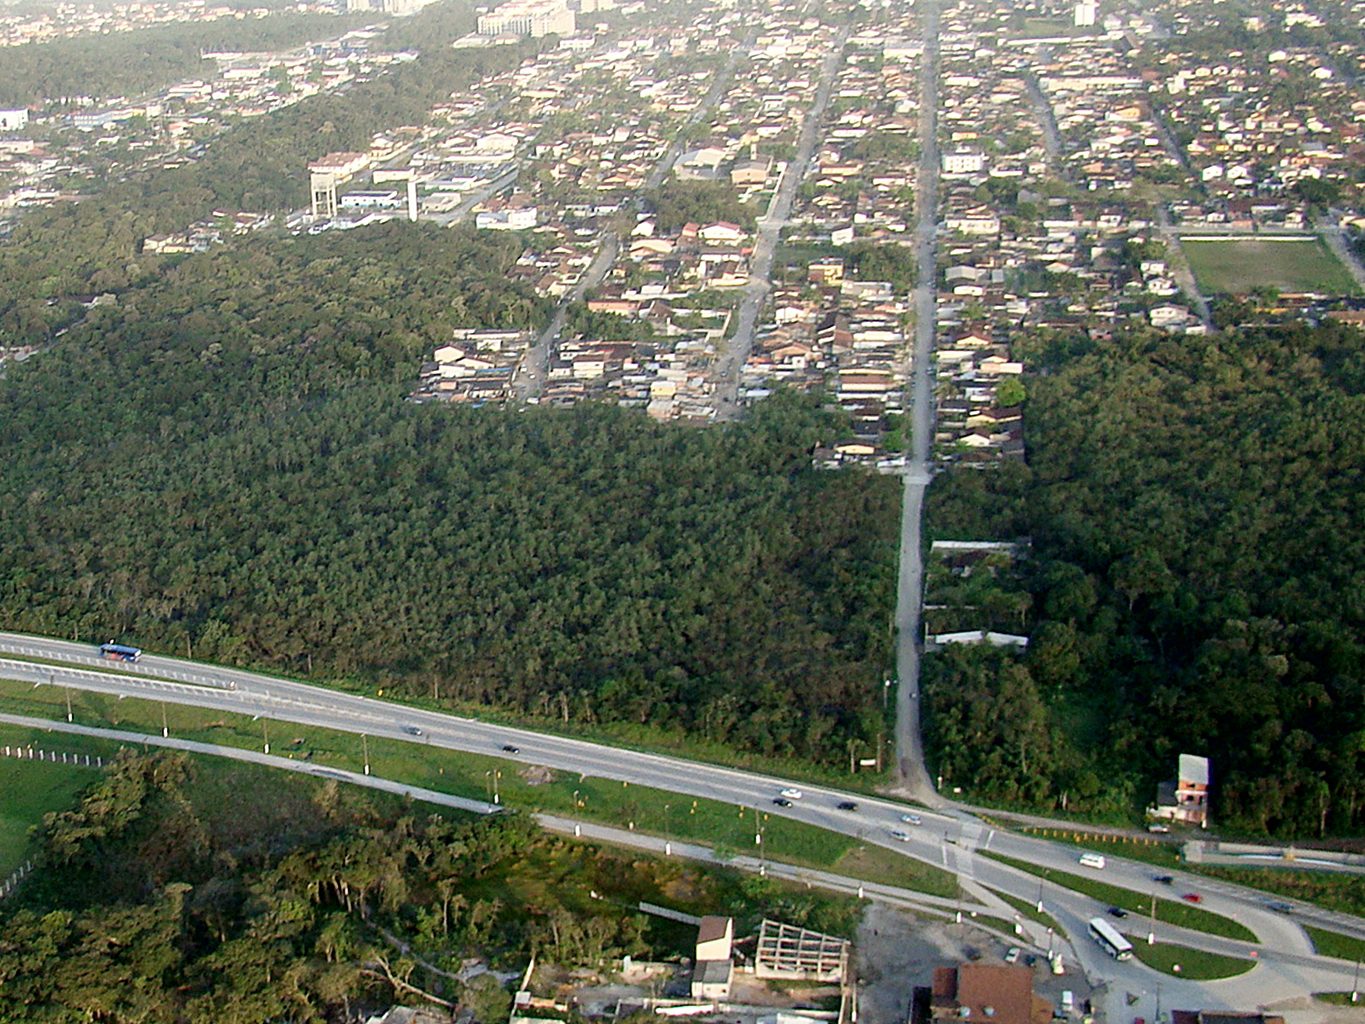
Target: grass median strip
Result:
[[1334, 944], [1168, 911], [728, 827], [1194, 964]]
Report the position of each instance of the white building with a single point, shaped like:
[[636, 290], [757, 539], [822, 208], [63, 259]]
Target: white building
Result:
[[533, 18], [506, 220], [13, 120], [1085, 13], [964, 162]]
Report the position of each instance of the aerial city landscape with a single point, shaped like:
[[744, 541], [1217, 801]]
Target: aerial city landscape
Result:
[[614, 510]]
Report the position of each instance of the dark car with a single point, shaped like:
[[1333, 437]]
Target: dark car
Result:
[[782, 801], [1030, 959], [412, 730], [1163, 879], [847, 805], [1280, 906], [507, 748], [1117, 912]]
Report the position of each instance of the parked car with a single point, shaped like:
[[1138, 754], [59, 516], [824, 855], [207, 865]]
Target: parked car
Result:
[[847, 805], [792, 793], [782, 801], [1118, 912], [1193, 897], [1030, 960], [1012, 956], [912, 819]]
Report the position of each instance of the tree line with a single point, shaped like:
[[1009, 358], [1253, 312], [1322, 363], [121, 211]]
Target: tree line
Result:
[[180, 890], [222, 462], [1193, 505]]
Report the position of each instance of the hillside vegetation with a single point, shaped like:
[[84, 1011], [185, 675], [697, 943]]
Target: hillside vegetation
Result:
[[1195, 508]]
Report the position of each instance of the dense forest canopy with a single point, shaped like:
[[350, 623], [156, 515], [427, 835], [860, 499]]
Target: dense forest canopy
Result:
[[192, 891], [1195, 506], [224, 460], [131, 63], [59, 255]]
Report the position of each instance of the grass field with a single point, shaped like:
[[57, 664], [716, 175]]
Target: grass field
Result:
[[1331, 890], [1334, 944], [471, 775], [32, 789], [1235, 267], [1193, 964], [1171, 911]]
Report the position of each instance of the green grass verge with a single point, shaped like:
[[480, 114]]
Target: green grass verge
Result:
[[1334, 944], [30, 790], [1235, 267], [728, 826], [1031, 911], [1335, 998], [1328, 889], [643, 738], [1174, 912], [1194, 964], [1159, 852]]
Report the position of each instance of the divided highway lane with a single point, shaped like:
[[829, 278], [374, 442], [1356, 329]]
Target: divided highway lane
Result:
[[949, 840]]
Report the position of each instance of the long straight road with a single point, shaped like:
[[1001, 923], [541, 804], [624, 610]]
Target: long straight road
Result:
[[730, 362], [912, 774], [948, 840]]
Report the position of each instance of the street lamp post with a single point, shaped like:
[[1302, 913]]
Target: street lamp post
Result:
[[1355, 984], [265, 734], [365, 746], [1151, 926], [165, 726]]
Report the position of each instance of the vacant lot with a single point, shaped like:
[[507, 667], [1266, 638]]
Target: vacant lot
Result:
[[1235, 267]]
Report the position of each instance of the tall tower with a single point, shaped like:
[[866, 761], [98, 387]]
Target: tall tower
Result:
[[412, 199], [1085, 13]]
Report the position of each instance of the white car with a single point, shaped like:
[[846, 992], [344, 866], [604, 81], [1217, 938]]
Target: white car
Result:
[[912, 819], [1012, 957], [791, 793], [900, 836]]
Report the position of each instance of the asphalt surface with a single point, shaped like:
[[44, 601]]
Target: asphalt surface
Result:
[[954, 841], [731, 360], [913, 777]]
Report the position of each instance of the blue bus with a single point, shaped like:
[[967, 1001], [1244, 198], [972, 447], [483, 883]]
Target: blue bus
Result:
[[120, 652]]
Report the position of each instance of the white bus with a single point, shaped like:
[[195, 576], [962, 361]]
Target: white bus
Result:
[[1110, 940]]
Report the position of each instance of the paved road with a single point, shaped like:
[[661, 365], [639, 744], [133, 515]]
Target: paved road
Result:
[[913, 776], [950, 840], [1180, 267], [731, 360], [1331, 233]]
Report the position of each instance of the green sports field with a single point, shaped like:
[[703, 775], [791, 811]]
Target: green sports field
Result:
[[1236, 266]]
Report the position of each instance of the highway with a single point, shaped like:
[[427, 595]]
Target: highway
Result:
[[954, 840]]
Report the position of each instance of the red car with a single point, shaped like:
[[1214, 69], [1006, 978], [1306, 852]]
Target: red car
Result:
[[1193, 897]]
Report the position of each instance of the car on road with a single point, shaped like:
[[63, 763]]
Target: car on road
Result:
[[782, 801], [1163, 879], [791, 793], [1279, 906], [847, 805], [1118, 912], [912, 819], [1030, 960], [899, 836], [1012, 957], [1193, 897], [412, 730], [507, 748]]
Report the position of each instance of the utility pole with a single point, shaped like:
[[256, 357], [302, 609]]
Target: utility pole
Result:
[[1355, 984], [165, 726], [1151, 926], [1040, 896], [365, 746], [265, 734], [68, 704]]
